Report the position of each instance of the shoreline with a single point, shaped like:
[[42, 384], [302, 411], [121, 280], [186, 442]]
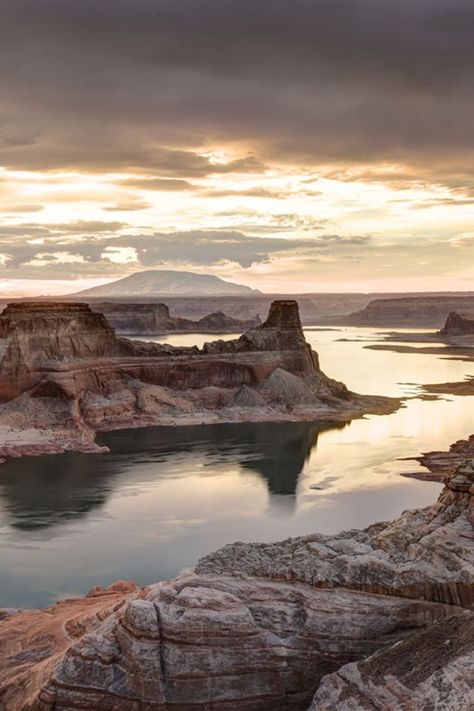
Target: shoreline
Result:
[[18, 442]]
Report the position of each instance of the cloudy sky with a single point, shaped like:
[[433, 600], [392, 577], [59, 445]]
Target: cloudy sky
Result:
[[290, 145]]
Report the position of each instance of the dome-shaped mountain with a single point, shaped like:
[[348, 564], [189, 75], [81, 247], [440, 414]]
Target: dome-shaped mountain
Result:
[[158, 282]]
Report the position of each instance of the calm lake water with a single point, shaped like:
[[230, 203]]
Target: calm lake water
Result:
[[164, 497]]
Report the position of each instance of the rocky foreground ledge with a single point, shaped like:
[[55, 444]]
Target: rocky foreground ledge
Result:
[[380, 619], [64, 375]]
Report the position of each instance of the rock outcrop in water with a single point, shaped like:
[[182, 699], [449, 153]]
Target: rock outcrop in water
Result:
[[458, 324], [258, 626], [63, 368], [142, 319]]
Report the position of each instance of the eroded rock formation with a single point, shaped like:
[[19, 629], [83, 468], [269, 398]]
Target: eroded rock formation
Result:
[[431, 669], [36, 337], [68, 360], [151, 318], [458, 324], [260, 627], [405, 558]]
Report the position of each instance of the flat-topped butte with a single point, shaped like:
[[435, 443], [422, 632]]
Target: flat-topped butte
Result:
[[64, 370]]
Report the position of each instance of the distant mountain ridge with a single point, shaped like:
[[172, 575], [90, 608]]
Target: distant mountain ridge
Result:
[[157, 282]]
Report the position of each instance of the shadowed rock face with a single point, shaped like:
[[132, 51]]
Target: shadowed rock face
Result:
[[37, 335], [432, 669], [42, 338], [458, 324], [259, 627], [135, 318], [283, 315]]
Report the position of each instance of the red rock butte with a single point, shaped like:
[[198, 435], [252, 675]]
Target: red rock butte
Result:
[[65, 363], [43, 342]]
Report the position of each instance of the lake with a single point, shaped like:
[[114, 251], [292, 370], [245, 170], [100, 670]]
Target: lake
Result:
[[164, 497]]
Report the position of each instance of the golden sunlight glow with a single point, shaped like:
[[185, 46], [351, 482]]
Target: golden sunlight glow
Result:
[[280, 202]]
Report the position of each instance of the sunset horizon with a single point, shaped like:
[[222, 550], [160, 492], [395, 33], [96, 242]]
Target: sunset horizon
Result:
[[237, 142], [236, 355]]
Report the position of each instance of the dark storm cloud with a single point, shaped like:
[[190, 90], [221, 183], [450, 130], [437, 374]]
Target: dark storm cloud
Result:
[[143, 84]]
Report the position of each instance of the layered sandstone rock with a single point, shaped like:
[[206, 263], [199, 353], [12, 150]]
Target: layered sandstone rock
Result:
[[44, 343], [442, 464], [36, 337], [135, 318], [65, 356], [260, 627], [210, 643], [405, 558], [432, 669]]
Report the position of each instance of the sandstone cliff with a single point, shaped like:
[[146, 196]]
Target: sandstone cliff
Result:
[[432, 669], [261, 627], [65, 361], [138, 319]]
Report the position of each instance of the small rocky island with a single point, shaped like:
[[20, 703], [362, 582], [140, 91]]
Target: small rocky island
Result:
[[64, 375], [367, 620], [459, 324]]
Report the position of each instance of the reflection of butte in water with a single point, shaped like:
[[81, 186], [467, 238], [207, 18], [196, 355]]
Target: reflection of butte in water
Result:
[[41, 492], [275, 451]]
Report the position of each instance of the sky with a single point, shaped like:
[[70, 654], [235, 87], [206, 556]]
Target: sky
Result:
[[289, 145]]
